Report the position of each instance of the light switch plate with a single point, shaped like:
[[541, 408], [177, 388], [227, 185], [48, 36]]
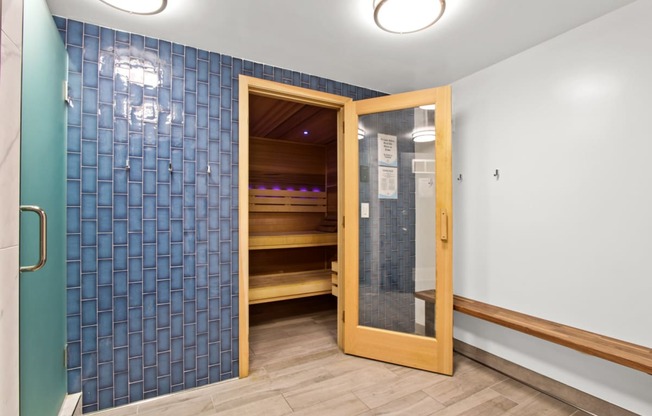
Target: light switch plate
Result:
[[364, 210]]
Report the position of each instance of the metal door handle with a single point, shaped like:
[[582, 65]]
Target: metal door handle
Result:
[[43, 238]]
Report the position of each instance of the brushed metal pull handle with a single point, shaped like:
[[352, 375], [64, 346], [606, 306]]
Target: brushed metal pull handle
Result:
[[43, 238]]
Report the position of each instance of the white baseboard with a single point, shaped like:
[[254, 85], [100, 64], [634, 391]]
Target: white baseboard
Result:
[[72, 405]]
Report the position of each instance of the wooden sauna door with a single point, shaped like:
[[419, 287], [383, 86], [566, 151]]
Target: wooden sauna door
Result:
[[398, 229]]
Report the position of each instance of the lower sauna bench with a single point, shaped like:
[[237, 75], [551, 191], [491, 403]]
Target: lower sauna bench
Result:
[[282, 286]]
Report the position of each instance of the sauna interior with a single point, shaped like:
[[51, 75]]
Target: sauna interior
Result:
[[292, 205]]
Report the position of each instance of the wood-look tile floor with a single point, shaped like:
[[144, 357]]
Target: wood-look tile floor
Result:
[[296, 368]]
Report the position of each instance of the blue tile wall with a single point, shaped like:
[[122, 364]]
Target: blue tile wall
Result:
[[388, 237], [153, 250]]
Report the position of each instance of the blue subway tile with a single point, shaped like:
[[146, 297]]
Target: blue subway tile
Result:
[[135, 344], [105, 300], [73, 301], [104, 167], [121, 382], [191, 57], [75, 32], [120, 231], [149, 278], [88, 259], [73, 324], [91, 48], [105, 272], [176, 281], [89, 339], [107, 39], [90, 74], [149, 255], [163, 341], [73, 274], [176, 351], [177, 89], [105, 324]]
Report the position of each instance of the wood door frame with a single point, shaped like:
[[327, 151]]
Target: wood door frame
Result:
[[249, 85]]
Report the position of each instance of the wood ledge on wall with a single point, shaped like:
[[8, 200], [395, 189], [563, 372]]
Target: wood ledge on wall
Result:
[[621, 352]]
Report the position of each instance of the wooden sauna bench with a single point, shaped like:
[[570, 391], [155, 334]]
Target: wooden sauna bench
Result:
[[289, 284], [296, 239]]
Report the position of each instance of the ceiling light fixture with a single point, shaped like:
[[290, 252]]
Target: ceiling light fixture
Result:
[[424, 135], [407, 16], [138, 7]]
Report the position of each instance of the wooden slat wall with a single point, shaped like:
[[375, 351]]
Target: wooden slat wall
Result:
[[286, 164], [276, 261], [331, 177], [261, 222]]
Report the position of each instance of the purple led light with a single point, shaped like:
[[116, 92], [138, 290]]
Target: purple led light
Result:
[[303, 189], [289, 188], [276, 188], [261, 187], [316, 190]]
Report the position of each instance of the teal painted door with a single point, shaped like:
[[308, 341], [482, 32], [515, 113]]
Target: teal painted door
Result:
[[43, 183]]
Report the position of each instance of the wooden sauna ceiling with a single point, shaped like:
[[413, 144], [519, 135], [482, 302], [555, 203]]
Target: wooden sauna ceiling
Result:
[[272, 118]]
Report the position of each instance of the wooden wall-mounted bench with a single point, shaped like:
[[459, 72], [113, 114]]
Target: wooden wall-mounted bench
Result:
[[621, 352]]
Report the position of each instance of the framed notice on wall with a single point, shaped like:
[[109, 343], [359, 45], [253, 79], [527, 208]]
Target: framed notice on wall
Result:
[[387, 154], [387, 182]]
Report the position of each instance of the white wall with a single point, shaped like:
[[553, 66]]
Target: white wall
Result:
[[565, 234], [10, 84], [425, 242]]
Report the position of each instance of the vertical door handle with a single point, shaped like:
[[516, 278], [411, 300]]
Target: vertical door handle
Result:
[[444, 226], [43, 238]]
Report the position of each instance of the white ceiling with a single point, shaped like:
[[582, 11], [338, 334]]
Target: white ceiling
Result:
[[337, 39]]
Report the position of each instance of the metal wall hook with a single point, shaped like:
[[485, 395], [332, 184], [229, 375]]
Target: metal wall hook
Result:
[[497, 174], [208, 169], [127, 167], [459, 177], [170, 167]]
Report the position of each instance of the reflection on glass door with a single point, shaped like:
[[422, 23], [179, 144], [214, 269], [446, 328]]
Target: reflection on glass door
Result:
[[397, 240], [400, 230]]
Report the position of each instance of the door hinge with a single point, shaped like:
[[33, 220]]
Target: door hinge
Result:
[[65, 356], [343, 221], [343, 316]]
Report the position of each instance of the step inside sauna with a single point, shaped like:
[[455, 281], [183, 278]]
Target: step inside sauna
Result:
[[292, 200]]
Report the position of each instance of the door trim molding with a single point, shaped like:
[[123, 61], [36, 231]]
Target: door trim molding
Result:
[[249, 85]]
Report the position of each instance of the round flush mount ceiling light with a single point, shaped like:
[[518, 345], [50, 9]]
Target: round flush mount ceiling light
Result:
[[424, 135], [138, 6], [407, 16]]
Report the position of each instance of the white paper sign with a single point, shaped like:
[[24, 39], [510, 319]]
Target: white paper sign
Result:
[[387, 154], [387, 183]]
